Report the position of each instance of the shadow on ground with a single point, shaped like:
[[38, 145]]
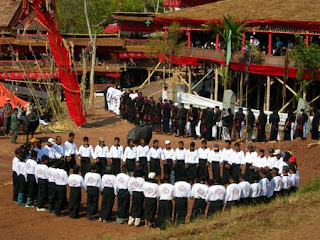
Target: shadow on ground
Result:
[[100, 122]]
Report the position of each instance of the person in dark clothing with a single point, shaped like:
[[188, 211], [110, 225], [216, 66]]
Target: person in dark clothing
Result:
[[287, 127], [203, 128], [75, 183], [182, 120], [216, 120], [274, 120], [315, 125], [209, 124], [158, 117], [227, 121], [193, 119], [261, 126], [250, 124], [239, 118], [166, 114], [301, 120]]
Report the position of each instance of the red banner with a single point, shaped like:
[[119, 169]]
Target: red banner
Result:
[[67, 77]]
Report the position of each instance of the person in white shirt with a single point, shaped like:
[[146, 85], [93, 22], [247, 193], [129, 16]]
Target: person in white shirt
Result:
[[51, 185], [129, 157], [135, 187], [264, 182], [294, 179], [142, 156], [165, 202], [276, 182], [85, 153], [101, 152], [109, 190], [22, 176], [38, 148], [154, 156], [167, 161], [226, 157], [41, 175], [50, 151], [59, 146], [116, 154], [192, 163], [180, 155], [181, 193], [261, 161], [61, 181], [271, 159], [286, 181], [249, 159], [151, 193], [70, 150], [236, 161], [214, 159], [31, 180], [199, 194], [279, 163], [255, 189], [122, 180], [75, 184], [92, 184], [233, 193], [245, 190], [15, 176], [215, 197], [203, 153]]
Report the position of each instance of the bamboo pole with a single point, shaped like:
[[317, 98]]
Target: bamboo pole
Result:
[[201, 80], [216, 84], [189, 79], [211, 85], [241, 89], [268, 93]]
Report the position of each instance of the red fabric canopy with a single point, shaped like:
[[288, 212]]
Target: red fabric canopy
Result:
[[179, 60], [129, 27], [5, 93], [112, 28], [113, 75], [29, 75], [137, 55]]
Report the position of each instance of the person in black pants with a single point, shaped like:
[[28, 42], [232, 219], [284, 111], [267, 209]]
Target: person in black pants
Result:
[[75, 183], [166, 113], [41, 172], [193, 119], [31, 180], [61, 181], [15, 177], [209, 123], [182, 119]]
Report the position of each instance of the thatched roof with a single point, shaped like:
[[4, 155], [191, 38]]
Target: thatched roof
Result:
[[9, 9], [250, 10]]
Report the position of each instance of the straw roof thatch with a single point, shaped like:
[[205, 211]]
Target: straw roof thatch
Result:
[[289, 10]]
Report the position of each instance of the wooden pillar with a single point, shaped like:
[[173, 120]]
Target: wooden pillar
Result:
[[189, 37], [270, 45], [307, 39], [149, 76], [268, 93], [189, 79], [211, 85], [241, 90], [217, 42], [243, 41], [216, 84]]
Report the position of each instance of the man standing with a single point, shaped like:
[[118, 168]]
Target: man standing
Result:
[[14, 126], [122, 180], [166, 113], [179, 163], [116, 154], [151, 193], [261, 126], [31, 180], [84, 154], [236, 161], [199, 194], [142, 156], [250, 124], [15, 173], [61, 181], [70, 149], [193, 119], [216, 122], [169, 157], [59, 146], [102, 152], [50, 151], [239, 118], [192, 163], [75, 183], [233, 194], [226, 125], [181, 193], [182, 119], [214, 158], [248, 161], [226, 157], [301, 122], [41, 175], [154, 156], [203, 153], [7, 109], [215, 196], [209, 123], [129, 157], [274, 120]]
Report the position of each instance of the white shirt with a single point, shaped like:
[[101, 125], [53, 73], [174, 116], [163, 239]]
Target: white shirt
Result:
[[135, 184], [86, 151], [226, 154], [130, 153], [255, 190], [250, 158], [61, 177], [286, 182], [245, 189], [260, 162], [75, 180], [101, 152], [216, 192], [22, 170], [70, 148], [182, 189], [39, 153], [166, 191], [31, 166], [264, 182], [92, 179], [59, 149], [237, 157], [277, 183], [192, 157], [180, 154], [116, 152], [199, 191], [51, 152], [109, 181], [15, 163], [150, 190], [41, 172], [233, 192], [155, 153], [271, 161], [142, 151], [168, 154], [203, 153], [51, 174], [133, 96], [214, 156], [270, 189], [122, 180]]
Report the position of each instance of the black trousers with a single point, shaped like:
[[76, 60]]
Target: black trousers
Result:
[[137, 205], [42, 192], [209, 131], [74, 202], [70, 164], [165, 123], [193, 128], [203, 169], [182, 126], [107, 203], [155, 166], [131, 164], [164, 213], [244, 201], [198, 208], [192, 172], [225, 173], [249, 172], [123, 203], [216, 171], [180, 170], [273, 135], [261, 136], [92, 201], [85, 165], [231, 204], [314, 133], [15, 180], [236, 172], [116, 165], [167, 168], [180, 210], [51, 195], [150, 209], [144, 165], [214, 207], [60, 196], [22, 184], [101, 165], [32, 186]]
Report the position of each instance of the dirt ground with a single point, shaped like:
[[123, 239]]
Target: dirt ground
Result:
[[23, 223]]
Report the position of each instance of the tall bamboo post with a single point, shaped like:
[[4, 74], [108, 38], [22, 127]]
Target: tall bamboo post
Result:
[[241, 89], [268, 93], [216, 84]]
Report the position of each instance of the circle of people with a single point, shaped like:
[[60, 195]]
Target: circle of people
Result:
[[218, 178]]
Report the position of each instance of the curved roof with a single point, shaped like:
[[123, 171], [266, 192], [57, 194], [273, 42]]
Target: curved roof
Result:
[[8, 11]]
